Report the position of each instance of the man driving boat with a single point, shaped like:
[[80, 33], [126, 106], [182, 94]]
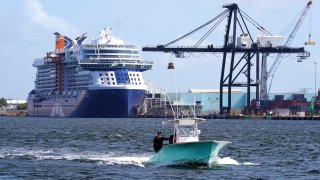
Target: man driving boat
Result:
[[158, 141]]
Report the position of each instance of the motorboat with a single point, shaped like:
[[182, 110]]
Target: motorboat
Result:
[[186, 148]]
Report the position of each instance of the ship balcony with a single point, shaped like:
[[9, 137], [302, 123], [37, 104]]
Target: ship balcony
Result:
[[93, 64], [94, 46]]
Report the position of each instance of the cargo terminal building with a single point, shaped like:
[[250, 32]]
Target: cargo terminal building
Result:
[[206, 102]]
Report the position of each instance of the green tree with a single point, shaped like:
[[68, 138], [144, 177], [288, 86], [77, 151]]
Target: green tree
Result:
[[22, 106], [3, 102]]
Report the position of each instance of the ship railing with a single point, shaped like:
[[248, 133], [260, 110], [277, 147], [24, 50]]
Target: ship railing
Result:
[[124, 83], [93, 46], [153, 89], [146, 67], [57, 51], [38, 62], [97, 61]]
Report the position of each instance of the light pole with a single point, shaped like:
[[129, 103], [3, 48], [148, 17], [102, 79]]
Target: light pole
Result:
[[315, 79], [315, 88], [211, 109]]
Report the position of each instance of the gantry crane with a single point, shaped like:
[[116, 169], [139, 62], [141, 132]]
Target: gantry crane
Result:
[[235, 18]]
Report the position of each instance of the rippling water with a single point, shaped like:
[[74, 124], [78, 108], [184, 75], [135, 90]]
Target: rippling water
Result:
[[40, 148]]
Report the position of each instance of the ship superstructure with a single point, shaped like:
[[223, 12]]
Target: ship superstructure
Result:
[[99, 79]]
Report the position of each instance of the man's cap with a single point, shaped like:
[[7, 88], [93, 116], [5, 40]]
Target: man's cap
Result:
[[159, 132]]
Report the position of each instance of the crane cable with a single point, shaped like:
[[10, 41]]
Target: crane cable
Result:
[[191, 32], [254, 23], [310, 27], [210, 30]]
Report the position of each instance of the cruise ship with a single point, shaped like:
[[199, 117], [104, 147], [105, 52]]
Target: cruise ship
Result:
[[100, 79]]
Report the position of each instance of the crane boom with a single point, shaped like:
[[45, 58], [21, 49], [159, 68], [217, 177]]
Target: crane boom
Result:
[[279, 58]]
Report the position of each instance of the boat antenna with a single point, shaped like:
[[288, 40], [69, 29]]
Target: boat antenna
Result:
[[166, 94], [193, 111], [175, 86], [171, 67], [194, 94]]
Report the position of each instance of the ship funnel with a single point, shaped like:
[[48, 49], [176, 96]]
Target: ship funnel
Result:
[[59, 43]]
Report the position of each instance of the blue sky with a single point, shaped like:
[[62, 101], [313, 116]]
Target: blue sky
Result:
[[27, 32]]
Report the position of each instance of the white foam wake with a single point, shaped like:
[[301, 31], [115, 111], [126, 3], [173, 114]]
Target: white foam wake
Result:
[[230, 161], [110, 158], [71, 155], [134, 160], [226, 161]]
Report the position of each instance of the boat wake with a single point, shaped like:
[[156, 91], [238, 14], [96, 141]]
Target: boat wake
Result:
[[230, 161], [133, 160], [100, 158], [72, 155], [217, 163]]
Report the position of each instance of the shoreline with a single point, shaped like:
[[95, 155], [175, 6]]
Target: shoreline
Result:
[[252, 117]]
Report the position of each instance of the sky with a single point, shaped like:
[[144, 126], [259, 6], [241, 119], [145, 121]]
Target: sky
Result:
[[27, 29]]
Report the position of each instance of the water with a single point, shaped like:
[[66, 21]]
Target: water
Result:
[[41, 148]]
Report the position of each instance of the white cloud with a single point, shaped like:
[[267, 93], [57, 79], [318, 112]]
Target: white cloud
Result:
[[37, 14]]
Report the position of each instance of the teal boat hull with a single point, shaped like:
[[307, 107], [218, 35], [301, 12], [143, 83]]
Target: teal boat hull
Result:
[[197, 153]]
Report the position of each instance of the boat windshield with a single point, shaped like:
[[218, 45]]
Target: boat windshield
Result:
[[186, 131]]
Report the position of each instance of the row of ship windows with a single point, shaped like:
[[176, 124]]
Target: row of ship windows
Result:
[[109, 46], [110, 51], [133, 74], [111, 74], [50, 91], [69, 86], [130, 74], [113, 83], [110, 65], [46, 69], [107, 79], [50, 81], [111, 56], [112, 79], [52, 75]]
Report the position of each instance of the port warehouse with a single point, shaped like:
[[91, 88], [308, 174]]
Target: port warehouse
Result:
[[206, 102]]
